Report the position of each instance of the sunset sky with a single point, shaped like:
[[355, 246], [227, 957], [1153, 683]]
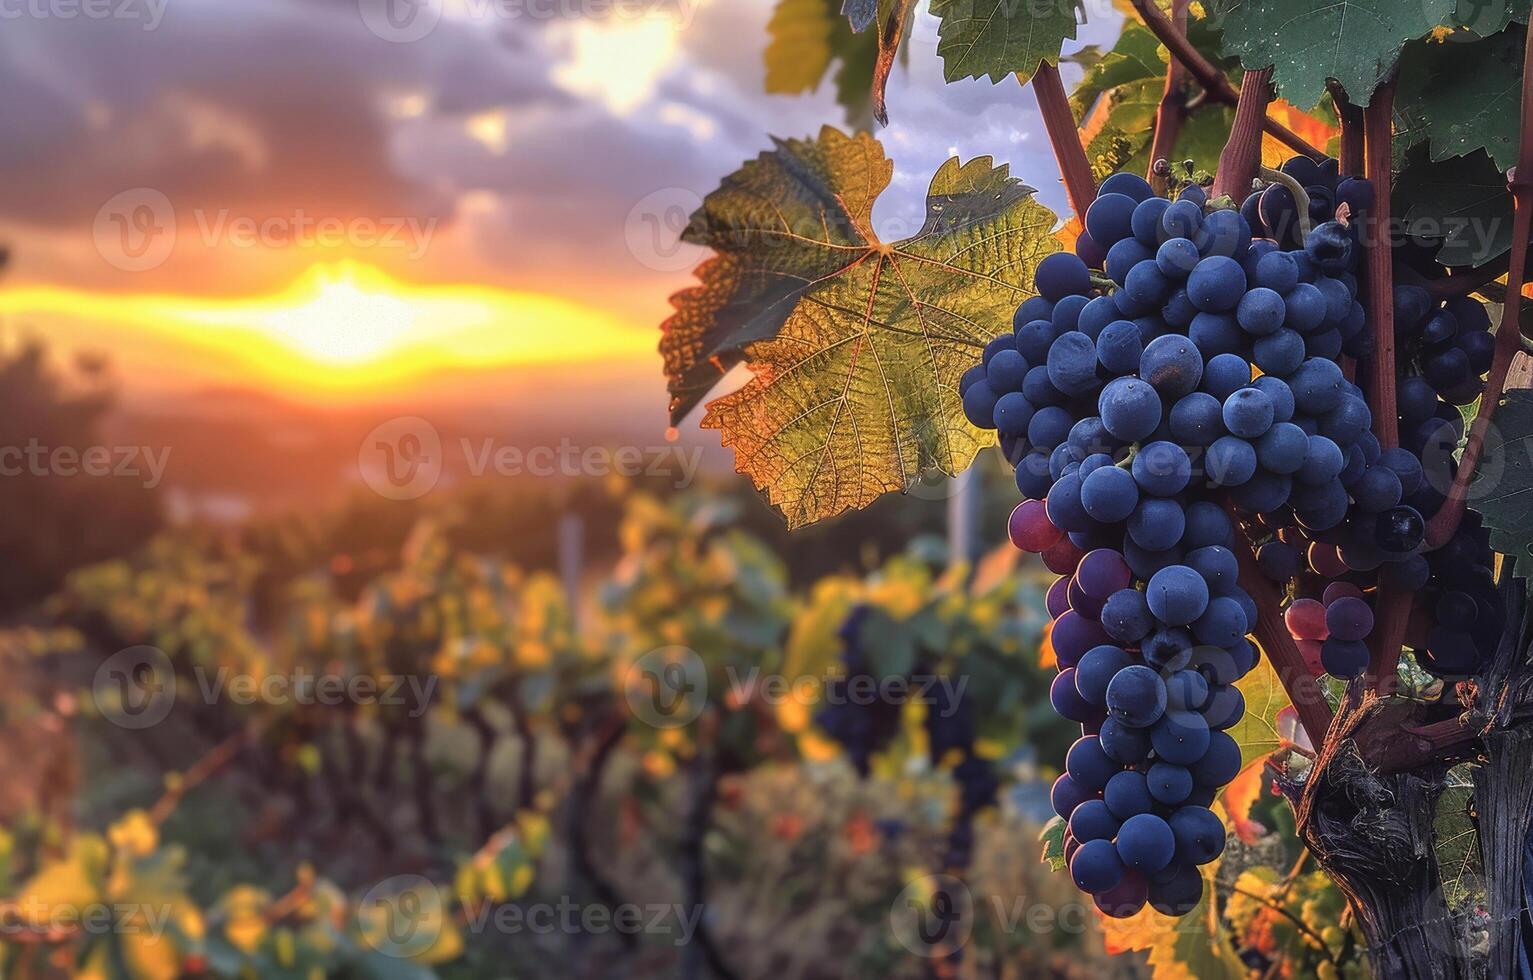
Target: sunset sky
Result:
[[271, 194]]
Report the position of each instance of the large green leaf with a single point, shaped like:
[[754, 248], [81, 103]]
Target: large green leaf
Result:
[[1463, 201], [1487, 17], [1460, 97], [1503, 489], [1356, 42], [1136, 57], [997, 38], [856, 346]]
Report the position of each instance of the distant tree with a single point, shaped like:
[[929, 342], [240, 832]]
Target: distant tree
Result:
[[57, 513]]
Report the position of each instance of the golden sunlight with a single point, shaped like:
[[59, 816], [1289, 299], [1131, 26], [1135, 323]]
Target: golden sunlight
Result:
[[342, 328]]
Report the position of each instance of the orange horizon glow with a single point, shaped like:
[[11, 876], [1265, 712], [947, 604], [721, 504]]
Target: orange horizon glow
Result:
[[338, 330]]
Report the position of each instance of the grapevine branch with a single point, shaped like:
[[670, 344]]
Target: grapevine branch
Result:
[[1392, 607], [1209, 76], [1172, 112], [1059, 122], [1508, 336], [1351, 118], [1242, 155]]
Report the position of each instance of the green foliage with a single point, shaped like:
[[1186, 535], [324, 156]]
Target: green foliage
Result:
[[1501, 488], [1356, 42], [1463, 202], [997, 38], [1460, 97]]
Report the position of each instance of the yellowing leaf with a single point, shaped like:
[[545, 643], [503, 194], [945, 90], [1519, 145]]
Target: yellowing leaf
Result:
[[1240, 796], [798, 53], [135, 834], [856, 346], [1257, 731]]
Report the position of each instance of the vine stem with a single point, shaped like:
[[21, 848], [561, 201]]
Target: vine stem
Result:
[[1392, 608], [1351, 118], [1508, 337], [1273, 637], [1065, 138], [1209, 76], [1172, 112], [1242, 155]]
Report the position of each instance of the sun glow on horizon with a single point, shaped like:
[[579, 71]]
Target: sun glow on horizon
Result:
[[338, 328]]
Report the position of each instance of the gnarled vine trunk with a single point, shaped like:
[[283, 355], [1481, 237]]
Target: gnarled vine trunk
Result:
[[1371, 827]]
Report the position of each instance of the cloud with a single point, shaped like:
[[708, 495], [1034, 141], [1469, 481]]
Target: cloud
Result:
[[543, 148]]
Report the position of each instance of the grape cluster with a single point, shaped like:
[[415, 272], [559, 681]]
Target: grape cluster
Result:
[[1199, 373], [862, 727], [1448, 347], [1274, 213], [950, 730]]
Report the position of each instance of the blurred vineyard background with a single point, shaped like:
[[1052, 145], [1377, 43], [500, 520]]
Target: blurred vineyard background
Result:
[[499, 787]]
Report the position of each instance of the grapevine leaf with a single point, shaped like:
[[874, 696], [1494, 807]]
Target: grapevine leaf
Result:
[[1137, 56], [1462, 97], [860, 13], [1487, 17], [1463, 201], [1356, 42], [1257, 732], [856, 347], [805, 38], [997, 38], [1503, 487], [1053, 839]]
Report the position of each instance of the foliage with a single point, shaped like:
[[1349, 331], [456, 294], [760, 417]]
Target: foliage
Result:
[[855, 346], [997, 38], [1306, 42], [1500, 494]]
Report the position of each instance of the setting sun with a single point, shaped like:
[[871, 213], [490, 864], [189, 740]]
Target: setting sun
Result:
[[339, 329]]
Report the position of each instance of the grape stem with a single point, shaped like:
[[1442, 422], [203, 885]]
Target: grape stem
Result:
[[1173, 109], [1209, 76], [1392, 608], [1300, 196], [1059, 121], [1242, 154], [1351, 117], [1273, 637], [1508, 336]]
